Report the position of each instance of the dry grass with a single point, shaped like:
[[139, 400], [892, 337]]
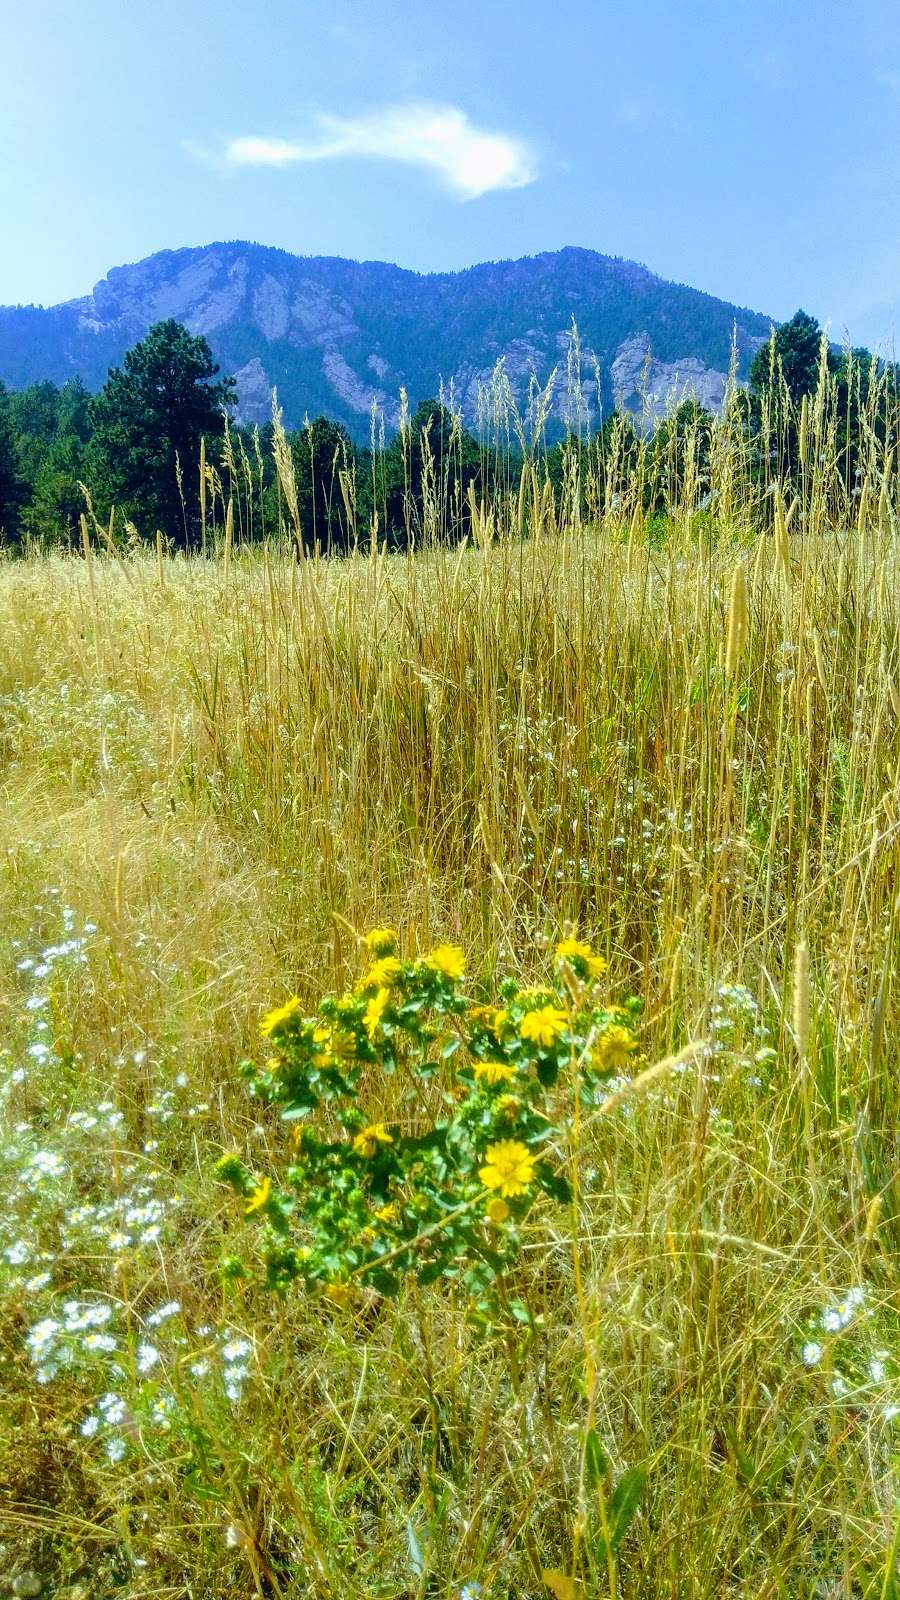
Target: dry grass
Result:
[[225, 768]]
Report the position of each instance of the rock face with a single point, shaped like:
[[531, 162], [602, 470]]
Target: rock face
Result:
[[649, 389], [337, 337]]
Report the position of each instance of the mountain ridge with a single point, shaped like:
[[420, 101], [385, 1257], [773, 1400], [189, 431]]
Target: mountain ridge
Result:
[[335, 335]]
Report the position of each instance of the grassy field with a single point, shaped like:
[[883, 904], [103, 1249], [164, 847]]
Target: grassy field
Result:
[[213, 773]]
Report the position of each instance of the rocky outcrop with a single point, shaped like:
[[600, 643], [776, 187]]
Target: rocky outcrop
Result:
[[354, 392], [650, 389], [254, 393]]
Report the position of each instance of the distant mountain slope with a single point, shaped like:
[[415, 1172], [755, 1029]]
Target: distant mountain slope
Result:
[[334, 335]]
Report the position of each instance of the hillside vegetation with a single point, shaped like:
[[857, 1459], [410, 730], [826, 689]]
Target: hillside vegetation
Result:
[[668, 730]]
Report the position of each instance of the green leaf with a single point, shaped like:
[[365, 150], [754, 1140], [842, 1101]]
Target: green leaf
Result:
[[563, 1587], [624, 1503], [386, 1283], [746, 1465], [555, 1184], [596, 1466], [431, 1272], [416, 1554]]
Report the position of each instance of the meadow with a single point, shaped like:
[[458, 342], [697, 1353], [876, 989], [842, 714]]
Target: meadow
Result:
[[218, 773]]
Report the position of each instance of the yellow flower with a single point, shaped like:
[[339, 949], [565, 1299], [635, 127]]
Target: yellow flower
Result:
[[322, 1036], [509, 1167], [543, 1026], [494, 1018], [381, 974], [496, 1210], [375, 1011], [447, 959], [340, 1294], [494, 1072], [381, 941], [274, 1019], [273, 1064], [613, 1049], [573, 950], [387, 1213], [259, 1197], [508, 1105], [366, 1143], [576, 953]]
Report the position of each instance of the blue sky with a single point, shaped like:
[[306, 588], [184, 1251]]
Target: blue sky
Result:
[[748, 147]]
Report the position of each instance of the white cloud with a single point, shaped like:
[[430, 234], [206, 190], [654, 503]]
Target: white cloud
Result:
[[470, 160]]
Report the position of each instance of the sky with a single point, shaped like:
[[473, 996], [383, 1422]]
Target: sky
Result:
[[750, 148]]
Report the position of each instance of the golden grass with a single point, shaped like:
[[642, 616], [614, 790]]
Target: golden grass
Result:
[[691, 755]]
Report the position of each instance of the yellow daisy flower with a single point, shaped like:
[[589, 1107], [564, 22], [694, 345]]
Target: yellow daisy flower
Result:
[[375, 1011], [366, 1143], [494, 1072], [509, 1167], [544, 1026], [381, 974], [340, 1294], [574, 952], [387, 1213], [381, 941], [274, 1019], [447, 959], [259, 1197], [613, 1049]]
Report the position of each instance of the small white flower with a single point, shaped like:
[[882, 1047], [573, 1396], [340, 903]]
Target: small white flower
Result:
[[115, 1449], [163, 1313], [90, 1426], [236, 1349], [811, 1353], [42, 1335], [147, 1357], [99, 1341], [235, 1378]]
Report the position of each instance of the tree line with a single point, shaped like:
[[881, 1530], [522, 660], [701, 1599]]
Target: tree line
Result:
[[155, 453]]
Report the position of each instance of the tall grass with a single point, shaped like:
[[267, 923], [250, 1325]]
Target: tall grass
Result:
[[687, 751]]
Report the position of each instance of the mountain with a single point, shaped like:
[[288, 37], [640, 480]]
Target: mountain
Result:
[[334, 335]]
